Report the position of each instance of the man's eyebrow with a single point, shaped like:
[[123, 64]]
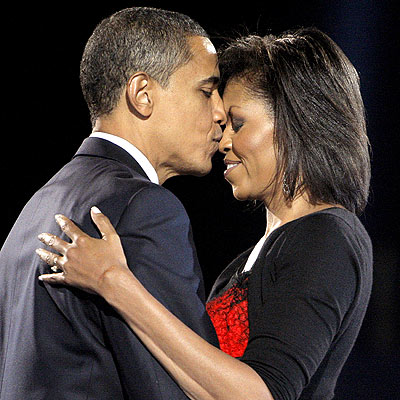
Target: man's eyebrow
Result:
[[214, 80]]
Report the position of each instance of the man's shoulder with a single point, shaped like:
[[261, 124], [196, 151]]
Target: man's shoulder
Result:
[[112, 186], [155, 201], [99, 174]]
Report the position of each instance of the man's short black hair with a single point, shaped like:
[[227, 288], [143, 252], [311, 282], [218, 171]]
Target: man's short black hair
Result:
[[134, 39]]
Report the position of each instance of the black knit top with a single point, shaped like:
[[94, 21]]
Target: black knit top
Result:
[[302, 304]]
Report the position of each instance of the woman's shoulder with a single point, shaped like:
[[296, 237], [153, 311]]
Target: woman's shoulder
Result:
[[333, 225], [334, 216], [319, 246], [321, 254]]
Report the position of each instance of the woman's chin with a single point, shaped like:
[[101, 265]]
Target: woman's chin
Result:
[[238, 195]]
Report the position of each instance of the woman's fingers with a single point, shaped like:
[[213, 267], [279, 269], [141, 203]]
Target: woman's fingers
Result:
[[68, 227], [103, 223], [85, 261], [60, 278], [55, 279], [54, 242], [54, 260]]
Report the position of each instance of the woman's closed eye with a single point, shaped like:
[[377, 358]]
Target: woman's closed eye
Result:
[[236, 124]]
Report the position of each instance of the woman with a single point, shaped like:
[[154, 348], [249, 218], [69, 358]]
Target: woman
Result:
[[288, 311]]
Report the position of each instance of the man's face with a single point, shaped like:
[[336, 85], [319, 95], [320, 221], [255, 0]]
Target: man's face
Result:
[[190, 114]]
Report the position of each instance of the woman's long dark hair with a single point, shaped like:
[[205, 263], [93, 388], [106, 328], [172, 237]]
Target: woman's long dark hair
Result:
[[313, 91]]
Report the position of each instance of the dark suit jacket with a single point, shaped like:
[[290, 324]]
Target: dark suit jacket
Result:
[[61, 343]]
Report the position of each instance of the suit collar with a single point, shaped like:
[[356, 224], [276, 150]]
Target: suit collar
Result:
[[140, 158], [97, 147]]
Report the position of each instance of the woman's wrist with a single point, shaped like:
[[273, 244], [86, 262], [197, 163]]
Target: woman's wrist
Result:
[[111, 282]]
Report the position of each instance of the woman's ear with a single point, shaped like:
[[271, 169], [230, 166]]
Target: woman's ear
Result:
[[139, 94]]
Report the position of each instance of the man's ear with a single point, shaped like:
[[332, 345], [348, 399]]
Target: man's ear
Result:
[[139, 94]]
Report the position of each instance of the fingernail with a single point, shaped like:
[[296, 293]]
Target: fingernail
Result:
[[60, 220], [40, 252], [40, 278], [95, 210], [46, 239]]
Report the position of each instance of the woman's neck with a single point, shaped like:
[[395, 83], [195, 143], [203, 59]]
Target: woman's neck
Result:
[[286, 212]]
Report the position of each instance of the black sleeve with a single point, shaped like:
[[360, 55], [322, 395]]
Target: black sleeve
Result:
[[307, 288]]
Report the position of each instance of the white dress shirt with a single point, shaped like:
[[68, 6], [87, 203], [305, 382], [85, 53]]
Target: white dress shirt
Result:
[[137, 155]]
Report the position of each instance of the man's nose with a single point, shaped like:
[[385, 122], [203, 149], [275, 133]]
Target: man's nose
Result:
[[219, 111]]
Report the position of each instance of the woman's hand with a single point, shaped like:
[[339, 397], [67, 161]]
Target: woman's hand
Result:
[[85, 261]]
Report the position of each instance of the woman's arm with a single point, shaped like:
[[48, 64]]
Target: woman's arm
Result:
[[202, 371]]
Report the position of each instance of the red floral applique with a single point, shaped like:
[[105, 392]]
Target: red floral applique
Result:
[[229, 315]]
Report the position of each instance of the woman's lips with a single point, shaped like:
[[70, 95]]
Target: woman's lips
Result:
[[230, 165]]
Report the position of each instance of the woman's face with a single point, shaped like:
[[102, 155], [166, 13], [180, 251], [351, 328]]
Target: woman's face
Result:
[[248, 145]]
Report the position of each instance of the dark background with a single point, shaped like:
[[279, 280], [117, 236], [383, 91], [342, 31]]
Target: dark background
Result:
[[46, 119]]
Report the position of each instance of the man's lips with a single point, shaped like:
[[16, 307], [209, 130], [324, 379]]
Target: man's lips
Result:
[[217, 138], [218, 134], [230, 165]]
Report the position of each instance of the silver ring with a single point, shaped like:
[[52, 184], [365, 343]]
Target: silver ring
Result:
[[51, 241], [54, 267]]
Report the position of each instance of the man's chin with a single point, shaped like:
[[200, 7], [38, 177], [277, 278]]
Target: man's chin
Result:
[[201, 170], [195, 169], [199, 173]]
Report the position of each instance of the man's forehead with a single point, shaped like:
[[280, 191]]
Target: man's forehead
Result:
[[203, 72], [202, 68], [202, 44], [209, 46], [203, 53]]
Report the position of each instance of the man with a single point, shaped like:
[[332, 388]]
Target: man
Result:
[[150, 81]]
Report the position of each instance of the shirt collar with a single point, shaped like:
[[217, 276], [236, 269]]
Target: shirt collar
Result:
[[133, 151]]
